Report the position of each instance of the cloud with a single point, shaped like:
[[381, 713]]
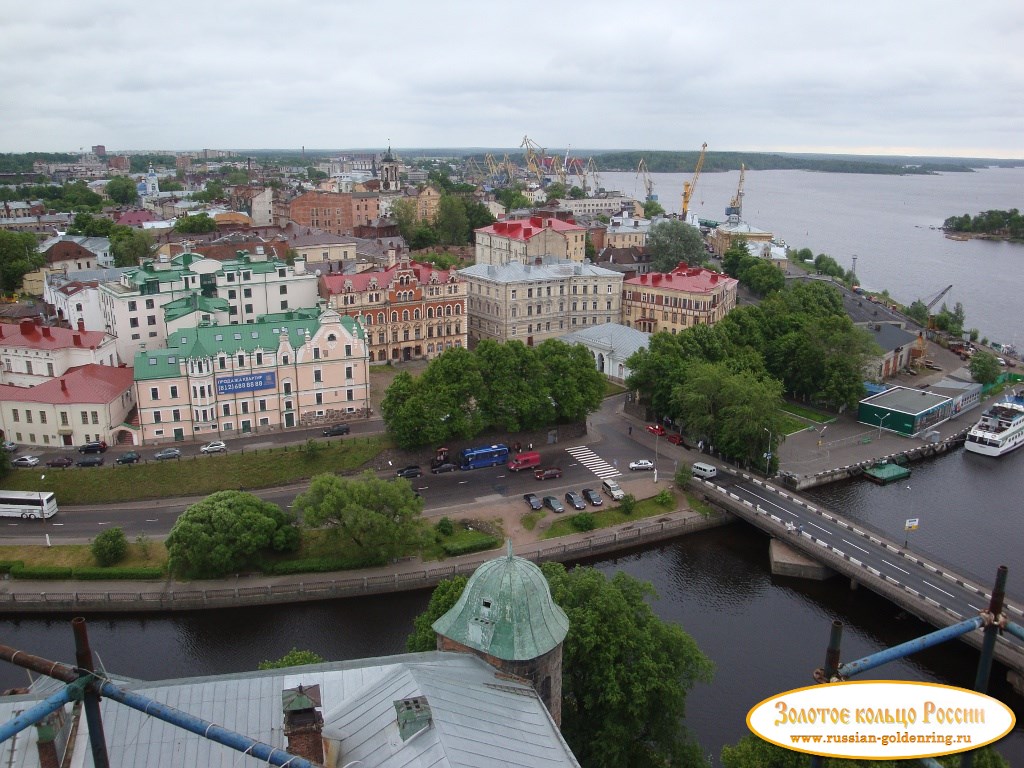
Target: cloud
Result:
[[665, 75]]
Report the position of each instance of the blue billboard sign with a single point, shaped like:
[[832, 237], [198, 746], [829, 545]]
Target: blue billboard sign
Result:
[[252, 381]]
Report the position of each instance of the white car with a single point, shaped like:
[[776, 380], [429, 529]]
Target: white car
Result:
[[10, 446], [641, 464], [217, 446], [25, 461]]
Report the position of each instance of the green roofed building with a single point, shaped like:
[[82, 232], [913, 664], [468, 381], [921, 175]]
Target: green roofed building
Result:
[[290, 369], [507, 617]]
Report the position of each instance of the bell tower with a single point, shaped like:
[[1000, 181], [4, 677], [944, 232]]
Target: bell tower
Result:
[[389, 181]]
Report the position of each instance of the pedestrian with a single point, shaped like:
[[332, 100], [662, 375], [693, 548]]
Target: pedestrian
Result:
[[531, 446], [631, 429]]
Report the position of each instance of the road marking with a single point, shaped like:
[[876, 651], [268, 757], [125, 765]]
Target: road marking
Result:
[[974, 607], [463, 482], [824, 530], [866, 552], [152, 520], [593, 462], [891, 565], [106, 523], [937, 589]]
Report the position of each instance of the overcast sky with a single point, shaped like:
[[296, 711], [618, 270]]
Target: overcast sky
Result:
[[920, 77]]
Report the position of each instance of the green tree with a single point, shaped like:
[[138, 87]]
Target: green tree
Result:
[[129, 246], [314, 175], [19, 255], [653, 208], [763, 277], [513, 198], [478, 216], [826, 265], [918, 312], [514, 396], [446, 594], [451, 223], [984, 367], [626, 673], [556, 190], [109, 547], [570, 379], [91, 226], [404, 214], [122, 189], [672, 242], [193, 224], [380, 519], [576, 193], [213, 190], [294, 658], [227, 531]]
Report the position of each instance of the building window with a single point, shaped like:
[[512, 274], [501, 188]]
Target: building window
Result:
[[95, 417], [176, 414], [49, 370], [154, 393], [241, 361], [85, 417], [245, 406], [28, 366], [319, 398], [14, 414], [156, 417], [288, 388], [318, 375], [174, 391], [149, 304], [259, 358], [28, 418], [226, 409], [247, 293], [63, 418], [349, 395], [132, 306]]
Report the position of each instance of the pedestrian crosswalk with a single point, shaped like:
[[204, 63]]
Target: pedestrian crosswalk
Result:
[[593, 462]]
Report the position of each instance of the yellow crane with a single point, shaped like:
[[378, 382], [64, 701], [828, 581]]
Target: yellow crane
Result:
[[472, 172], [591, 171], [736, 206], [689, 186], [534, 158]]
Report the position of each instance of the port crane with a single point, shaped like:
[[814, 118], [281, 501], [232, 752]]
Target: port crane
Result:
[[534, 158], [643, 174], [928, 307], [736, 205], [690, 185], [590, 171]]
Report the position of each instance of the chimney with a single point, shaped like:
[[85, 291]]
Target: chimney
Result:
[[37, 320], [26, 327], [303, 723], [48, 731], [76, 339], [413, 716], [46, 332], [81, 325]]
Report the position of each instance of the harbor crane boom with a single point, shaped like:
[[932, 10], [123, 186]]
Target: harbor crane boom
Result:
[[645, 175], [736, 206], [937, 298], [690, 185]]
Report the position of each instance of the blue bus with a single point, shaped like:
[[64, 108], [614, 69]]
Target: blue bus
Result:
[[488, 456]]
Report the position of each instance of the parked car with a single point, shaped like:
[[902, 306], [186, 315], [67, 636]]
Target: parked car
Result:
[[592, 496], [575, 501], [129, 458], [411, 471], [94, 446], [25, 461], [337, 429], [445, 467], [553, 504], [547, 473], [10, 446], [167, 453], [532, 500], [656, 429], [677, 440], [217, 446], [60, 461], [641, 464], [90, 461]]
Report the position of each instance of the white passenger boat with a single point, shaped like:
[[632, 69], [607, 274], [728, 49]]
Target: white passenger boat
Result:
[[1000, 429]]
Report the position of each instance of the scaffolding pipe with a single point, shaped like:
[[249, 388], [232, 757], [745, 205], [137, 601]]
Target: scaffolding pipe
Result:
[[34, 714], [911, 646], [91, 703], [1015, 629], [988, 645]]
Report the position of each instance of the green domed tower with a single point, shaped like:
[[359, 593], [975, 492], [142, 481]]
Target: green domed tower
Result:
[[506, 616]]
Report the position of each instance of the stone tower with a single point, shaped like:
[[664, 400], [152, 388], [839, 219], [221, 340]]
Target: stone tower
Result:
[[389, 181], [506, 616]]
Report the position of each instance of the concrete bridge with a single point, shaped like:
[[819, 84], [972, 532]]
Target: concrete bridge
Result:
[[930, 591]]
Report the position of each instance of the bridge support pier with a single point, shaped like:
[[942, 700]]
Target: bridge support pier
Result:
[[786, 561], [853, 585], [1016, 681]]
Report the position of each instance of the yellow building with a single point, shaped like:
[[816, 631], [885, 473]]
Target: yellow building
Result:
[[685, 297]]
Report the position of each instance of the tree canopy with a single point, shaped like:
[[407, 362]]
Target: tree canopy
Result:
[[444, 597], [984, 367], [227, 531], [378, 518], [753, 752], [1008, 224], [509, 387], [671, 242], [122, 189], [19, 255], [195, 224]]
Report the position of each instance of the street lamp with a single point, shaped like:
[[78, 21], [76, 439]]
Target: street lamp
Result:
[[768, 454], [656, 436], [881, 421]]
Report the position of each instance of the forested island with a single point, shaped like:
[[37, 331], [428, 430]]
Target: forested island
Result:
[[996, 225]]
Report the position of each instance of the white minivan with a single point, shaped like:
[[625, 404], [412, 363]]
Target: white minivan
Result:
[[703, 471]]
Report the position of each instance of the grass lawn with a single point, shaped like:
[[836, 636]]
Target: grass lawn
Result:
[[791, 424], [149, 555], [606, 516], [198, 475], [810, 414], [611, 389]]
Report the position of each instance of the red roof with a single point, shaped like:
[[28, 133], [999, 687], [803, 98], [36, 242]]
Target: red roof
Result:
[[85, 384], [135, 218], [683, 278], [524, 229], [335, 283], [28, 334], [67, 250]]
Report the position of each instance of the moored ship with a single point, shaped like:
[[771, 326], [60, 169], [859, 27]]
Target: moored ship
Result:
[[1000, 429]]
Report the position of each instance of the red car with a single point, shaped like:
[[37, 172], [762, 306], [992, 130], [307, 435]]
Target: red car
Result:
[[676, 439], [656, 429], [547, 473]]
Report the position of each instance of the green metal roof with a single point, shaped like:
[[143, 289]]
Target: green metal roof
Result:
[[196, 302], [506, 611], [213, 340]]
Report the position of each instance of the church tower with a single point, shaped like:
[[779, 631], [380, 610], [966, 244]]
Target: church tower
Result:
[[506, 617], [389, 181], [152, 184]]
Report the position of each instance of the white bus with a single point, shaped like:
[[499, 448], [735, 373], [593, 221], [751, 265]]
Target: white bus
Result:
[[28, 505]]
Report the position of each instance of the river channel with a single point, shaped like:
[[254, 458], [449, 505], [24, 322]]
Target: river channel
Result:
[[765, 634]]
